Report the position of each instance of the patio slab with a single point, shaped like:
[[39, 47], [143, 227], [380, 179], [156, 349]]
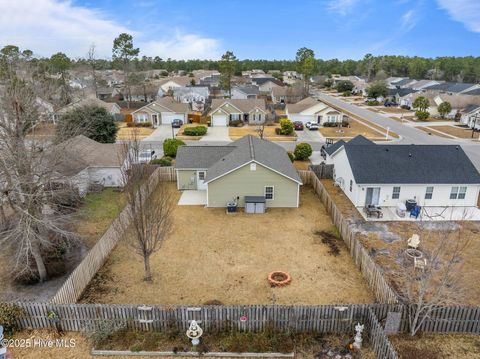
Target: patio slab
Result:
[[428, 214], [193, 198]]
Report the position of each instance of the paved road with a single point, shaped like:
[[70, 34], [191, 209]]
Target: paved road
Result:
[[409, 134]]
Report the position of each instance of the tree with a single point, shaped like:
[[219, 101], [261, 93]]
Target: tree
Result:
[[91, 121], [170, 146], [61, 64], [377, 89], [227, 66], [92, 62], [150, 202], [444, 109], [9, 56], [421, 103], [345, 86], [302, 151], [305, 61], [124, 51]]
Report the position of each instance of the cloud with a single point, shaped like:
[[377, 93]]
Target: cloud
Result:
[[465, 11], [50, 26], [342, 7], [183, 46], [408, 20]]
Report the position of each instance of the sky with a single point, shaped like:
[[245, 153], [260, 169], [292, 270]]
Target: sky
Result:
[[253, 29]]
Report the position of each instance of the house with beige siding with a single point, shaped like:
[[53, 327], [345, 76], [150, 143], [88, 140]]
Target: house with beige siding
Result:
[[223, 111], [247, 168], [162, 112]]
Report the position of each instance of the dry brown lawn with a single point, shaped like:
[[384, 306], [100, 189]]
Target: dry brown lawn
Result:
[[128, 133], [356, 128], [391, 237], [433, 132], [457, 131], [398, 110], [269, 133], [301, 165], [437, 346], [211, 255]]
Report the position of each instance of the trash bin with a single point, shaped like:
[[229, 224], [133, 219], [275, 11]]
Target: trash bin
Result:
[[410, 204]]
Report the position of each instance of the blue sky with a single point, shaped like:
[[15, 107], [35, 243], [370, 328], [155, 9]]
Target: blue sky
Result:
[[264, 29]]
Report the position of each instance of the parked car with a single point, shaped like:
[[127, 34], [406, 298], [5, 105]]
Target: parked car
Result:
[[298, 125], [146, 156], [312, 126], [177, 123], [390, 104]]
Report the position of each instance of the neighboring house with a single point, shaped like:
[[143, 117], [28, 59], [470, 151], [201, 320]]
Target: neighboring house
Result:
[[311, 110], [452, 87], [402, 96], [212, 80], [267, 84], [403, 83], [244, 92], [105, 93], [471, 116], [248, 167], [196, 96], [87, 162], [169, 84], [422, 84], [162, 112], [287, 94], [290, 77], [111, 107], [223, 111], [387, 175]]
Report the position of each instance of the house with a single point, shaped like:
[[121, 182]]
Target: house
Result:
[[433, 176], [111, 107], [87, 162], [311, 110], [452, 87], [471, 116], [244, 92], [162, 112], [106, 93], [266, 84], [196, 96], [422, 84], [248, 167], [169, 84], [287, 94], [251, 111], [290, 77], [402, 96]]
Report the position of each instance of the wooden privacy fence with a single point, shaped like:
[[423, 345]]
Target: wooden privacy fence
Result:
[[78, 280], [371, 272], [378, 339]]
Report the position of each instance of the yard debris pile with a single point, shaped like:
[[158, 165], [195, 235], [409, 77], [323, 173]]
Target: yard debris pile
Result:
[[331, 240]]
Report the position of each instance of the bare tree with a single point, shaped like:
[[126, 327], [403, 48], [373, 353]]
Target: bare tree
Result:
[[436, 280], [92, 61], [150, 202]]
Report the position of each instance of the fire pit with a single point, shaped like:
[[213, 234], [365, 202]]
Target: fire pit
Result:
[[279, 279]]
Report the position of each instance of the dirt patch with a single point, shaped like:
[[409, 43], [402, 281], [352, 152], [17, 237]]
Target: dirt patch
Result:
[[213, 255]]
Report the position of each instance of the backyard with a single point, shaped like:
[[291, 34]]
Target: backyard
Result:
[[213, 257]]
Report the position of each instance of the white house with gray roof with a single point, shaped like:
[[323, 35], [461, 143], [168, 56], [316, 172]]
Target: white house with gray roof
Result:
[[162, 112], [312, 110], [248, 167], [224, 111], [440, 179]]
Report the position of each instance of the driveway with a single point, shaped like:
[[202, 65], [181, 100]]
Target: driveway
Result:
[[161, 133], [216, 134], [309, 136]]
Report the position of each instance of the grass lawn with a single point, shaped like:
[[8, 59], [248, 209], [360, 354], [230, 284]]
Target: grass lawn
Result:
[[211, 255], [432, 131], [398, 110], [356, 128], [269, 133], [127, 133], [390, 239], [437, 346], [457, 131]]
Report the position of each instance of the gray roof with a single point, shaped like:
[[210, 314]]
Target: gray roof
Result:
[[357, 140], [332, 148], [470, 108], [411, 164], [401, 92], [263, 80], [248, 90], [450, 87], [475, 92], [219, 160], [403, 82]]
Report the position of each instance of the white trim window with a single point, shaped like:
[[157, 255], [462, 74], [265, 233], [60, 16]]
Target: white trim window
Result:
[[201, 175], [396, 193], [331, 118], [458, 192], [269, 193], [141, 117], [429, 192]]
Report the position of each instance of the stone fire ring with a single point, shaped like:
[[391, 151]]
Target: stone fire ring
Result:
[[279, 279]]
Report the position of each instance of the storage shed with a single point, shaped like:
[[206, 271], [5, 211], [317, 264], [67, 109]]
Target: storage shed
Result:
[[255, 204]]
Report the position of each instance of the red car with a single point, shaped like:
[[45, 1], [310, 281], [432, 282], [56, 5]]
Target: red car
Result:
[[298, 125]]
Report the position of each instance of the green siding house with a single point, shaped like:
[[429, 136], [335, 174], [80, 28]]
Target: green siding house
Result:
[[247, 167]]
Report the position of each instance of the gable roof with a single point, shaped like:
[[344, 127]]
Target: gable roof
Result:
[[243, 105], [356, 141], [166, 103], [332, 148], [475, 92], [410, 164], [203, 157], [302, 105], [180, 80], [248, 90], [401, 91], [263, 80], [450, 87], [471, 108]]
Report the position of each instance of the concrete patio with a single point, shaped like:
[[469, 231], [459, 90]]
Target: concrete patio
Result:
[[193, 198], [428, 214]]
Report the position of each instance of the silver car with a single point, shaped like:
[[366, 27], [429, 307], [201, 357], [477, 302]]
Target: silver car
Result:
[[312, 126]]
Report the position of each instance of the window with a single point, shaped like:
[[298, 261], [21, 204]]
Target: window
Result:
[[269, 192], [458, 192], [396, 193], [351, 185], [201, 176], [429, 193], [332, 118]]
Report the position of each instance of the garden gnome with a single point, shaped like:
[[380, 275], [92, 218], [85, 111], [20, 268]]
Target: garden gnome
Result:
[[358, 337], [194, 332]]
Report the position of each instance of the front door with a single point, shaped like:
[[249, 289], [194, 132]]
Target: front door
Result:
[[201, 185], [373, 196], [155, 120]]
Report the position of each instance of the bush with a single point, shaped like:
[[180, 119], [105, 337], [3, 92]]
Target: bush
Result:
[[330, 124], [302, 151], [291, 155], [373, 103], [165, 161], [171, 145], [286, 127], [422, 115], [104, 330], [139, 124], [405, 107], [236, 123], [345, 123], [9, 313], [347, 93], [195, 131]]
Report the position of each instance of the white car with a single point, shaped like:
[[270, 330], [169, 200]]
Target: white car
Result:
[[146, 156], [312, 126]]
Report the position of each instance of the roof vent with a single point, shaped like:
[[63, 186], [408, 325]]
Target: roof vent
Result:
[[456, 147], [409, 155], [386, 149]]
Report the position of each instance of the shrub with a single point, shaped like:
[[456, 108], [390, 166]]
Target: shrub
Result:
[[104, 330], [347, 93], [302, 151], [422, 115], [236, 123], [345, 123], [9, 313], [165, 161], [291, 155], [139, 124], [195, 131], [373, 103], [286, 127], [405, 107], [330, 124], [171, 145]]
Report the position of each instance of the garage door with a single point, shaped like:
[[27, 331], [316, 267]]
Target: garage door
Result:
[[168, 118], [219, 120]]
